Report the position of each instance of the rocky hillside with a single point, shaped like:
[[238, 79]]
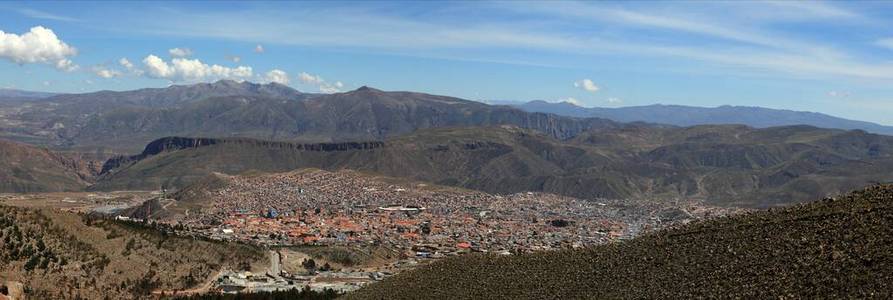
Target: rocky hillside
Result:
[[733, 165], [834, 248], [58, 255], [123, 121], [25, 168]]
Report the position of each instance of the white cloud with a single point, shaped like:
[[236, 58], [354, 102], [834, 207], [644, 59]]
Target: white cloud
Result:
[[587, 85], [328, 89], [124, 62], [310, 79], [259, 49], [182, 69], [571, 100], [234, 58], [39, 45], [322, 84], [277, 76], [180, 52], [66, 65], [105, 72], [886, 43], [614, 100]]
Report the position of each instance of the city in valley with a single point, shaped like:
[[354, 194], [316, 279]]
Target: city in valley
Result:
[[498, 150], [375, 226]]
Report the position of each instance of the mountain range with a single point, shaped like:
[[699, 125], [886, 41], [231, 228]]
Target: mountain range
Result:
[[723, 164], [181, 134], [13, 93], [680, 115], [122, 122]]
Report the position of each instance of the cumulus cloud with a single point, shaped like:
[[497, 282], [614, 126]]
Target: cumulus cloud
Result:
[[587, 85], [39, 45], [105, 72], [310, 79], [615, 100], [180, 52], [182, 69], [124, 62], [277, 76], [259, 49], [66, 65], [322, 84]]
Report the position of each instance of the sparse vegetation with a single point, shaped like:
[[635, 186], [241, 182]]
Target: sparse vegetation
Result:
[[60, 255], [834, 248], [304, 294]]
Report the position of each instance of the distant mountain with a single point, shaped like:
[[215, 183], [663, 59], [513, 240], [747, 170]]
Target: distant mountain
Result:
[[13, 93], [689, 115], [124, 121], [726, 165], [838, 248], [25, 168]]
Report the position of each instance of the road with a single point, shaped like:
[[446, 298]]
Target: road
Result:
[[275, 269]]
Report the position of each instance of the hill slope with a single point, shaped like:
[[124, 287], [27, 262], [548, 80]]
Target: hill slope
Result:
[[25, 168], [840, 248], [122, 121], [733, 165], [59, 255], [680, 115]]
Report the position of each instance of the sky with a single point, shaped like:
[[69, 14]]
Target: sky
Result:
[[829, 57]]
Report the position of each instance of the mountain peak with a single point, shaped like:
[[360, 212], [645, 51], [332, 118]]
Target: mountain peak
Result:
[[367, 89]]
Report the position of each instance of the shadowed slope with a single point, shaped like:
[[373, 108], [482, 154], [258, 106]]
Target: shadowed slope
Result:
[[24, 168]]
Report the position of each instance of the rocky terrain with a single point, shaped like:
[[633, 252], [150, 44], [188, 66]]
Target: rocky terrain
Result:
[[834, 248], [25, 168], [729, 165], [116, 122], [59, 255]]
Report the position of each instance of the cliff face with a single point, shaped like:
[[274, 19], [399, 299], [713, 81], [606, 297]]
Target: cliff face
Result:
[[167, 144], [728, 165]]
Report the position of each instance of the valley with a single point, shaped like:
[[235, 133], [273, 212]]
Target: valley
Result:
[[333, 194]]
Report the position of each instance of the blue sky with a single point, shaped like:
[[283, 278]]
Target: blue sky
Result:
[[830, 57]]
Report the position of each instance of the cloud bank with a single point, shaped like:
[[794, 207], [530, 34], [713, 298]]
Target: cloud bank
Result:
[[39, 45], [192, 70]]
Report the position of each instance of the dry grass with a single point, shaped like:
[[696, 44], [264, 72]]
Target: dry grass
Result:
[[835, 248]]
